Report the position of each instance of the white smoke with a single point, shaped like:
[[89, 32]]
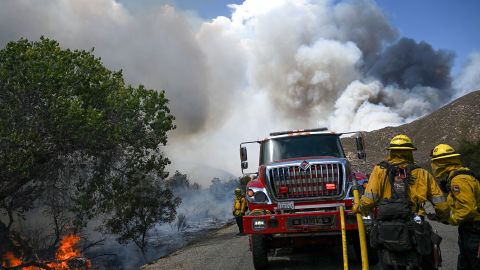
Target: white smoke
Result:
[[353, 108], [272, 65], [358, 108], [469, 79]]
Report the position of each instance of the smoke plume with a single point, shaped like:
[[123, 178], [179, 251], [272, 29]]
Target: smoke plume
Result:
[[469, 79], [270, 65], [408, 64]]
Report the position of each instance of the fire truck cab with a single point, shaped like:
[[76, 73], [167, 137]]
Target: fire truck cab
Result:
[[294, 197]]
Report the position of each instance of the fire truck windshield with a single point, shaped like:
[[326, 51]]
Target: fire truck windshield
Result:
[[300, 146]]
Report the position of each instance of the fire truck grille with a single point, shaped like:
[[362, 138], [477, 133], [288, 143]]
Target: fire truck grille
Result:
[[296, 181]]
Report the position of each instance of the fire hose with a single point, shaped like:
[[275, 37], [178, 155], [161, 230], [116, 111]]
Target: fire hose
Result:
[[344, 238], [361, 228]]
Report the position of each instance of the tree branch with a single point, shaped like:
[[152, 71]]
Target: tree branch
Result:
[[92, 245], [33, 263]]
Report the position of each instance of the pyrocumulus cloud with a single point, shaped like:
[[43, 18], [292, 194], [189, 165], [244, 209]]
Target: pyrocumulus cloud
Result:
[[271, 65]]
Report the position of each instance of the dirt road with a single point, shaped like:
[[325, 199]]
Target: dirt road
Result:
[[223, 249]]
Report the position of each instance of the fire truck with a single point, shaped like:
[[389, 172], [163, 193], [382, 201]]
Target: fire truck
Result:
[[293, 199]]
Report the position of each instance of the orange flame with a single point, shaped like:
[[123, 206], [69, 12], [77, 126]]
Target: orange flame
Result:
[[65, 252], [9, 260]]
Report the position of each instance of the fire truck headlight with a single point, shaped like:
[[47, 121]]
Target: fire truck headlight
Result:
[[260, 196], [258, 224]]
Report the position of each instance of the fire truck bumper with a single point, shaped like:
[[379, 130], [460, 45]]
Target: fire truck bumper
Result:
[[305, 222]]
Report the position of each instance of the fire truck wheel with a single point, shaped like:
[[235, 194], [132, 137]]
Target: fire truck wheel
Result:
[[259, 251]]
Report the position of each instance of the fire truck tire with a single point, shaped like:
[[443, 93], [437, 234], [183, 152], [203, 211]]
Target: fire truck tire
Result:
[[259, 251]]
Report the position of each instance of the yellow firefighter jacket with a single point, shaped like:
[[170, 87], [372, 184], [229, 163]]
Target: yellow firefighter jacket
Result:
[[423, 188], [464, 198], [239, 206]]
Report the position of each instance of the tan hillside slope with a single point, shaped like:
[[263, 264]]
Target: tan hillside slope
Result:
[[456, 121]]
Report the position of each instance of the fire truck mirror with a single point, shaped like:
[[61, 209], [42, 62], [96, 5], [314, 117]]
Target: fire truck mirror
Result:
[[243, 154], [360, 146], [244, 165]]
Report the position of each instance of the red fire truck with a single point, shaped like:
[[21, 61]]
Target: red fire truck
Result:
[[294, 197]]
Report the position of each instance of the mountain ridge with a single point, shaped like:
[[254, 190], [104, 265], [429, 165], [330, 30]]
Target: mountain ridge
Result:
[[456, 121]]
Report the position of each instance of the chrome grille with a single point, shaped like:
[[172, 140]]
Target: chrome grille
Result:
[[320, 179]]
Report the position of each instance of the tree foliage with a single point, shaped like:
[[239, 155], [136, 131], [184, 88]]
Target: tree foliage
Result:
[[223, 190], [243, 181], [180, 184], [470, 152], [132, 221], [74, 137]]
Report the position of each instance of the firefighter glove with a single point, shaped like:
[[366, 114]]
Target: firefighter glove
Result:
[[356, 209]]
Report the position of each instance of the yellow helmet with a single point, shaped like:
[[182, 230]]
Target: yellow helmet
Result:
[[401, 142], [238, 191], [443, 151]]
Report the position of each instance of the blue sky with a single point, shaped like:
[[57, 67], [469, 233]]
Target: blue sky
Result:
[[450, 25], [445, 24]]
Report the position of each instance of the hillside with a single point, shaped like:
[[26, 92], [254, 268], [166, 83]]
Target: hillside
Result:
[[456, 121]]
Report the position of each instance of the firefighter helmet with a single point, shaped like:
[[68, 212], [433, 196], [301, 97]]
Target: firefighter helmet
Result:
[[401, 142], [238, 191], [443, 151]]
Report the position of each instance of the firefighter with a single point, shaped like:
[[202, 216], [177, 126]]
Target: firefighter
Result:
[[239, 208], [464, 199], [422, 188], [400, 189]]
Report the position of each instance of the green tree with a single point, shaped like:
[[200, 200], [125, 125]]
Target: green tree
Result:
[[74, 138], [243, 181], [470, 154], [178, 182], [133, 220]]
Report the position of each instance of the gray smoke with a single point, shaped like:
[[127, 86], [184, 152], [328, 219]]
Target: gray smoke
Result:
[[408, 64], [305, 61], [155, 47], [270, 65]]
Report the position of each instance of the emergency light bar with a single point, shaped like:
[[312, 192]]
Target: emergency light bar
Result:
[[298, 131]]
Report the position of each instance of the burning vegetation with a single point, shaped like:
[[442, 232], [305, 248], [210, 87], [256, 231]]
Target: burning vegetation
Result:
[[82, 153], [76, 145], [67, 257]]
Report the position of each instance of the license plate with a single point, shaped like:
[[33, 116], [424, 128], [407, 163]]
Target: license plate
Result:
[[286, 206], [310, 221]]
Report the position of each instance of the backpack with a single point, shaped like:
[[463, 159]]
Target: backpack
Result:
[[445, 187], [466, 172], [394, 229], [399, 205]]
